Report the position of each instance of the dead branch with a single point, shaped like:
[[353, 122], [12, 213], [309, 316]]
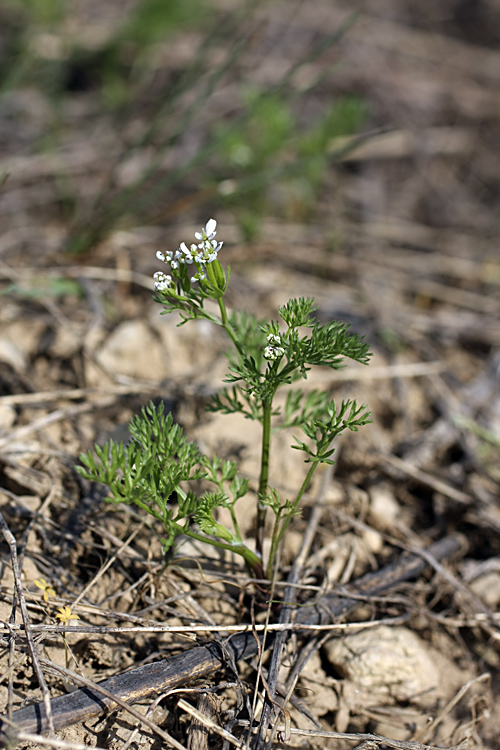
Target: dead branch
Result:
[[201, 661]]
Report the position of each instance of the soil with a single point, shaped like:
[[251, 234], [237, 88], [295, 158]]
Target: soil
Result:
[[401, 242]]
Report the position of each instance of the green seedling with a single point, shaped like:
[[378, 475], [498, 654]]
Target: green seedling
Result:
[[160, 463]]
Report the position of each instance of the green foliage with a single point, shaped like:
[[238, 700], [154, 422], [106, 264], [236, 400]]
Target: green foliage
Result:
[[327, 345], [298, 313], [161, 462], [263, 134], [345, 116], [152, 20], [43, 12], [45, 287], [270, 150], [322, 431], [300, 408], [147, 471], [263, 155]]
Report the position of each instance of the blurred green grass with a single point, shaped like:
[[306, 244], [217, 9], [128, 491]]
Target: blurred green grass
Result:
[[258, 159]]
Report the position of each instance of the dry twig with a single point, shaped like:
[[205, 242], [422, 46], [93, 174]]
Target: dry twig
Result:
[[201, 661]]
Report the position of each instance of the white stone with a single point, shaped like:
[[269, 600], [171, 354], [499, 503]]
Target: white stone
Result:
[[393, 663]]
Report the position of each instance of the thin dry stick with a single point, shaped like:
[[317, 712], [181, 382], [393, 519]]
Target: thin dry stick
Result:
[[12, 620], [208, 705], [296, 702], [307, 652], [278, 627], [486, 677], [71, 394], [260, 645], [412, 370], [137, 729], [9, 538], [489, 625], [209, 723], [387, 372], [427, 479], [191, 604], [10, 678], [107, 565], [202, 661], [303, 554], [55, 416], [375, 738]]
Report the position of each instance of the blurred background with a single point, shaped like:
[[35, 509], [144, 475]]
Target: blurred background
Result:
[[349, 155], [378, 122]]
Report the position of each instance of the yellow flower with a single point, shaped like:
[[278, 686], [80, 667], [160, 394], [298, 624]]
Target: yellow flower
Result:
[[64, 614], [47, 589]]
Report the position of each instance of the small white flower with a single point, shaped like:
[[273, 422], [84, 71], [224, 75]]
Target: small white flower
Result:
[[199, 277], [211, 227], [162, 281], [205, 252], [209, 232], [273, 340], [176, 258], [274, 351], [185, 254], [202, 253], [207, 249]]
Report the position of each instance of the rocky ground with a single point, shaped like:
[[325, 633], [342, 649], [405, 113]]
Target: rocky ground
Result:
[[401, 241]]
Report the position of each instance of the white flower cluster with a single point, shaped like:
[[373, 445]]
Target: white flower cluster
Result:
[[202, 253], [162, 281], [273, 351]]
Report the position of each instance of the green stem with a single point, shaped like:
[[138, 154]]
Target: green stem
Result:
[[151, 511], [275, 540], [264, 476], [224, 319], [305, 483], [236, 526], [252, 560], [279, 531], [223, 314], [228, 327]]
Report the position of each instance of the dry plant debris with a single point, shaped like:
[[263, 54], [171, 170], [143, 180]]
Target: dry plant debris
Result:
[[403, 243]]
